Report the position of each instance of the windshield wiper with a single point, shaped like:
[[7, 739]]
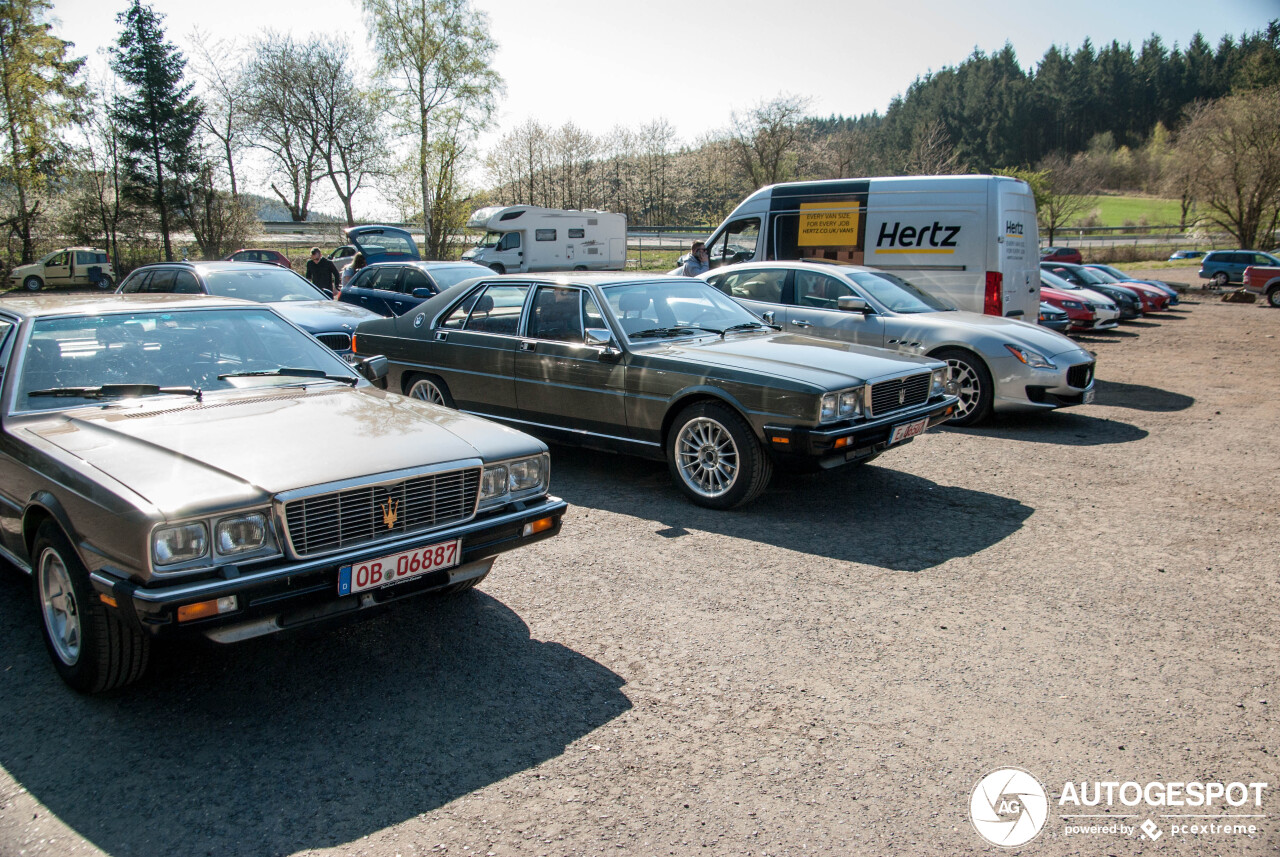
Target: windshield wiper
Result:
[[671, 331], [748, 325], [291, 372], [112, 391]]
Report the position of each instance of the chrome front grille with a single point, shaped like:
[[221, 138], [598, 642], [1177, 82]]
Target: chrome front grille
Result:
[[900, 393], [373, 513], [336, 341], [1080, 376]]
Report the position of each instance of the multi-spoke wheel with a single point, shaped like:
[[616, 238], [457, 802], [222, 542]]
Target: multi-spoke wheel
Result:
[[714, 457], [91, 647], [431, 390], [974, 383], [1221, 279]]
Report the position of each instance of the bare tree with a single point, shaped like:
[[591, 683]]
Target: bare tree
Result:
[[219, 66], [1068, 189], [1229, 150], [764, 139], [220, 221], [932, 153], [434, 55], [282, 126]]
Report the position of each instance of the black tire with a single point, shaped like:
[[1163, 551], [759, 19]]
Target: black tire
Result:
[[976, 393], [498, 268], [580, 267], [32, 283], [106, 284], [715, 458], [429, 388], [1273, 296], [1221, 279], [90, 646]]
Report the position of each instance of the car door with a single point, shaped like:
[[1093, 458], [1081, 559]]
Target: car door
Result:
[[57, 269], [13, 491], [374, 289], [814, 310], [560, 380], [411, 280], [474, 346]]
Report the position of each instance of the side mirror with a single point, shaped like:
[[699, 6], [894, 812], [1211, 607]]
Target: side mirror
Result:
[[372, 369], [852, 304], [423, 293], [599, 337]]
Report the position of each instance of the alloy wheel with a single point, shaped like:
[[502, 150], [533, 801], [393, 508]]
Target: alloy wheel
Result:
[[58, 605], [968, 383], [707, 457]]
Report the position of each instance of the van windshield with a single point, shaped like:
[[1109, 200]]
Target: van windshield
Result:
[[490, 240]]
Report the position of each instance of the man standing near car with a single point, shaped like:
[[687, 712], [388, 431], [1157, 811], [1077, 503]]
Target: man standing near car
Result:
[[322, 273]]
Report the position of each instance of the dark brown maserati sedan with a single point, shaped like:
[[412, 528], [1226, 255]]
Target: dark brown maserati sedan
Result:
[[663, 367], [159, 476]]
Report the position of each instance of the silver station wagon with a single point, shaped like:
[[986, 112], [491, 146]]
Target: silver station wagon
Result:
[[160, 475], [666, 368]]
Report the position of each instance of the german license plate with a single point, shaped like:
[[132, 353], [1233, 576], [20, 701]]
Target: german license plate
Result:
[[398, 567], [1088, 396], [908, 430]]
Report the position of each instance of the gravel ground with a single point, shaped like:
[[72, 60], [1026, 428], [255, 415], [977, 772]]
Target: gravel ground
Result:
[[1089, 594]]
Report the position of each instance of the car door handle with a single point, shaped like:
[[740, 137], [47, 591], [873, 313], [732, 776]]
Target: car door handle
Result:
[[802, 323], [526, 345]]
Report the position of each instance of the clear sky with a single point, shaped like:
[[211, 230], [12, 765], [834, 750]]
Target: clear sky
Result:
[[602, 64]]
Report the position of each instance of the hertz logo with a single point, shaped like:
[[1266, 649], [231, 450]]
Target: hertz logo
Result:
[[1011, 228], [935, 238]]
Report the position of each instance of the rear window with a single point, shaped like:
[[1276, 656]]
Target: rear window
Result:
[[267, 284]]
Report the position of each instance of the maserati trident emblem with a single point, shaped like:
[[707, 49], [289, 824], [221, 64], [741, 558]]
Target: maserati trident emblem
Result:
[[902, 396], [390, 511]]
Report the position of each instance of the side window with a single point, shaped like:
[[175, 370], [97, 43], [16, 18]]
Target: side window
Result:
[[591, 315], [382, 278], [726, 282], [85, 258], [57, 261], [136, 283], [577, 233], [362, 278], [5, 327], [556, 314], [819, 290], [758, 285], [510, 241], [414, 279], [737, 243], [457, 317], [162, 281], [544, 235], [497, 310], [185, 283]]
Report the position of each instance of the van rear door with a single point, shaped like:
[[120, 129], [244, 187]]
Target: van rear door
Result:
[[1016, 248]]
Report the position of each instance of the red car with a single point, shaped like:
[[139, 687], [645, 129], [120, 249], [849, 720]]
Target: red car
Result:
[[269, 257], [1069, 255]]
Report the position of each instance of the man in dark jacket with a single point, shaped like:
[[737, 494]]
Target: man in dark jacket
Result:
[[322, 273]]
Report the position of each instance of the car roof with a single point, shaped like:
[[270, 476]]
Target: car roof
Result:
[[208, 267], [40, 306], [430, 263]]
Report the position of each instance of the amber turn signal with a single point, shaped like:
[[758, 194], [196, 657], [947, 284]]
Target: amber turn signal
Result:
[[205, 609], [539, 526]]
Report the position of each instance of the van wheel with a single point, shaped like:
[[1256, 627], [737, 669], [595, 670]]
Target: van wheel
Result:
[[1221, 280], [91, 648], [580, 267], [431, 390], [971, 375], [32, 284], [498, 268], [715, 458], [1273, 297]]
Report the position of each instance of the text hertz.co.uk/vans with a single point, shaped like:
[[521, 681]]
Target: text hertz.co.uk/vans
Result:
[[971, 240]]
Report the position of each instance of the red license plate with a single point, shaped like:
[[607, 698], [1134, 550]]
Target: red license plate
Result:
[[908, 430], [398, 567]]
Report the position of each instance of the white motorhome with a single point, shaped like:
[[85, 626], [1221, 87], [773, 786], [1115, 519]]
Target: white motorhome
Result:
[[971, 240], [526, 238]]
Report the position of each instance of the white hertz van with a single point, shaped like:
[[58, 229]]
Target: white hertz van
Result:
[[971, 240], [526, 238]]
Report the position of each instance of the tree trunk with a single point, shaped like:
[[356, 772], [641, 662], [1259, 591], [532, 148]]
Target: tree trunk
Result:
[[426, 180]]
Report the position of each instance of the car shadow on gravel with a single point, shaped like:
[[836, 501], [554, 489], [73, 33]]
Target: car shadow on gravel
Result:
[[857, 514], [280, 745], [1063, 427], [1137, 397]]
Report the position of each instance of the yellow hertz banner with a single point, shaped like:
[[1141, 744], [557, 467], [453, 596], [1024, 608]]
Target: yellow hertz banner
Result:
[[829, 224]]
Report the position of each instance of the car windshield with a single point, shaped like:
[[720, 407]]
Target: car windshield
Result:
[[1053, 281], [680, 306], [1103, 276], [1091, 278], [264, 284], [896, 293], [69, 361], [447, 277]]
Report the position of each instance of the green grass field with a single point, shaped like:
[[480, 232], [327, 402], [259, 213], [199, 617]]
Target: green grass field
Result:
[[1119, 210]]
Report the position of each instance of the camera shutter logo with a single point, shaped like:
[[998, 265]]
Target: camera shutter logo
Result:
[[1008, 807]]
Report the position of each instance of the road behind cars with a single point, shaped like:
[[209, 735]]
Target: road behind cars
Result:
[[1089, 594]]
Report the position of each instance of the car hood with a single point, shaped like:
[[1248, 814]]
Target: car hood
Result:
[[26, 270], [242, 448], [826, 363], [320, 316], [1012, 331]]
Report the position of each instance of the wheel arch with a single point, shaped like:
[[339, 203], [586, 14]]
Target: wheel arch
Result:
[[696, 395], [42, 507]]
